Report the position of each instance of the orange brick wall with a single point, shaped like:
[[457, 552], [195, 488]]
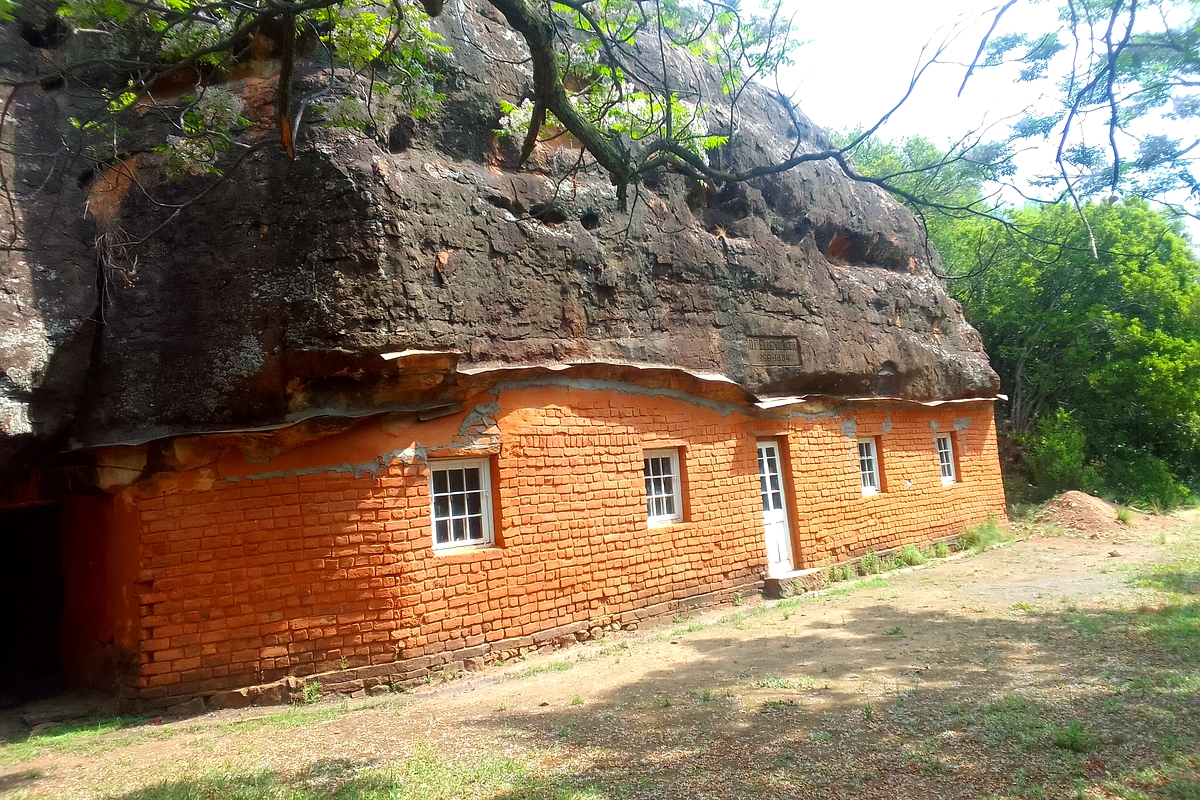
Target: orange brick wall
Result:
[[100, 635], [322, 560], [837, 522]]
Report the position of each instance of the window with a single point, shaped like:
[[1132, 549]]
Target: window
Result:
[[460, 497], [945, 451], [868, 466], [663, 501]]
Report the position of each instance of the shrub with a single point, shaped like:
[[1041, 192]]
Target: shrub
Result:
[[1054, 455], [912, 556], [941, 550], [1141, 477], [982, 536], [870, 564], [969, 539]]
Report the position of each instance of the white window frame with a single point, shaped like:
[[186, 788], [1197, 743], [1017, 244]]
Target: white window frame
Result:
[[868, 466], [446, 512], [946, 458], [664, 490]]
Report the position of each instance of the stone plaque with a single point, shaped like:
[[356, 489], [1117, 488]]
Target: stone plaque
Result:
[[773, 351]]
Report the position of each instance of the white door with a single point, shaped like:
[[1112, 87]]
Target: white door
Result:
[[775, 521]]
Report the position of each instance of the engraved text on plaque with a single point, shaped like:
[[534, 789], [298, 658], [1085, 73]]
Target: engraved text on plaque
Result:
[[773, 351]]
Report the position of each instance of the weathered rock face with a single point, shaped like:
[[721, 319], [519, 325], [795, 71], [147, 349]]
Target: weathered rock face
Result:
[[270, 297]]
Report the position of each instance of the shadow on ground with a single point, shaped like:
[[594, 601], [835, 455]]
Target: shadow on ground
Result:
[[883, 702]]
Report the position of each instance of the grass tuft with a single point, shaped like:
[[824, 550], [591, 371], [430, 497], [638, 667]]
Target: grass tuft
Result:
[[538, 669], [911, 556], [775, 682], [1073, 737], [982, 536]]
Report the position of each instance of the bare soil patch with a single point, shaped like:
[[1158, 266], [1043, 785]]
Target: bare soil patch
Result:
[[1078, 512], [1031, 670]]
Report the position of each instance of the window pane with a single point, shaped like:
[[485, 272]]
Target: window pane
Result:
[[668, 506], [668, 486], [472, 478], [457, 507], [868, 466]]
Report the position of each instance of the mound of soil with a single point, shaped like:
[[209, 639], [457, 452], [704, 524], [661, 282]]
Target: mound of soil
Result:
[[1081, 513]]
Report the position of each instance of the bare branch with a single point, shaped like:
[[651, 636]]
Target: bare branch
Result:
[[983, 43]]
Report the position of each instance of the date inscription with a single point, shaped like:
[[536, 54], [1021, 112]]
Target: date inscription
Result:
[[773, 351]]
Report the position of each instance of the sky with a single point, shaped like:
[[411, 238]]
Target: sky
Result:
[[861, 54]]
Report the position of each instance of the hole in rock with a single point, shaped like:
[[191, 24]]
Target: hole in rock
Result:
[[47, 37], [548, 213], [401, 135], [500, 201]]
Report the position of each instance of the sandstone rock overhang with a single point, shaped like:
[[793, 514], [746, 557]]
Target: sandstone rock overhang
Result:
[[390, 397], [271, 296]]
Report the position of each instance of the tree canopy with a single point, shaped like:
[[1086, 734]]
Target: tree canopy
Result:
[[1130, 75], [1091, 319]]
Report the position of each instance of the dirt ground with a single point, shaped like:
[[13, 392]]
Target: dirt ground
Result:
[[956, 679]]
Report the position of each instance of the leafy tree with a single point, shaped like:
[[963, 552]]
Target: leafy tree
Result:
[[1129, 72], [1091, 317], [600, 71], [1112, 338], [1056, 456]]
